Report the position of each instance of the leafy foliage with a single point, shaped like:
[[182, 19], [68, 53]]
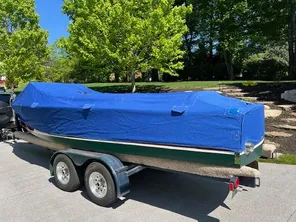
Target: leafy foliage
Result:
[[127, 36], [194, 40], [60, 67], [270, 65], [228, 32], [23, 48]]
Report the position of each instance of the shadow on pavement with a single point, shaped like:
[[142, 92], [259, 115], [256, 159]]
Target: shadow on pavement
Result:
[[33, 154], [188, 195]]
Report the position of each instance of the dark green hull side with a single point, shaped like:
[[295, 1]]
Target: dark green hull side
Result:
[[212, 158], [200, 157], [217, 158]]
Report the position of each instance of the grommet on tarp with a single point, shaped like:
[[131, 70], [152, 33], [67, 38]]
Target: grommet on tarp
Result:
[[34, 105]]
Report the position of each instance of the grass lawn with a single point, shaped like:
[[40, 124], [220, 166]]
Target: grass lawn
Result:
[[171, 85], [284, 159], [185, 84]]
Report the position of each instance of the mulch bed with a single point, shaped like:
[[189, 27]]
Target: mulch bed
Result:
[[287, 144]]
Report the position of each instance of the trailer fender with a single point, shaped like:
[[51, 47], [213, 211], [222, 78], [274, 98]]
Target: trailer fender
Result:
[[114, 165]]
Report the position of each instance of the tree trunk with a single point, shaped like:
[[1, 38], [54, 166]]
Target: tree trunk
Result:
[[291, 39], [12, 89], [229, 66], [116, 76], [294, 40], [133, 80], [211, 50], [211, 58]]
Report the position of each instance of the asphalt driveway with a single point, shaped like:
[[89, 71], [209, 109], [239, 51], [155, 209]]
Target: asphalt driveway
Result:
[[28, 194]]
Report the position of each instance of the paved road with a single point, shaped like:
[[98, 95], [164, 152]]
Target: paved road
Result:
[[28, 194]]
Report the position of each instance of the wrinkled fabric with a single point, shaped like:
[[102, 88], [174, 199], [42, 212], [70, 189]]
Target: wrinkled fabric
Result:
[[191, 119]]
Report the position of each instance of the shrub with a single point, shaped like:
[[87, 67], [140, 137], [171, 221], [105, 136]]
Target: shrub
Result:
[[270, 65], [250, 83]]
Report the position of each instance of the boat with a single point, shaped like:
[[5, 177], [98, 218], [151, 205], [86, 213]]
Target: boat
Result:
[[203, 133], [201, 127]]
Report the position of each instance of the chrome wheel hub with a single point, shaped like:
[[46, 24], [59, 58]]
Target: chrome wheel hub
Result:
[[63, 173], [98, 184]]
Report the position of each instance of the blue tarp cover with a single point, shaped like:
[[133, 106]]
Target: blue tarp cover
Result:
[[195, 119]]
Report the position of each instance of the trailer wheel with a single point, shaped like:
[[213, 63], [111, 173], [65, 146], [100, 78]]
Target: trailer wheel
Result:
[[65, 174], [99, 184]]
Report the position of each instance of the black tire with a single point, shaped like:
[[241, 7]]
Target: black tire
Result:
[[110, 196], [73, 183]]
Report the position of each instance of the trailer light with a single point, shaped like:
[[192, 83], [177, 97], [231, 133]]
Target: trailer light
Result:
[[231, 186], [234, 183], [237, 182]]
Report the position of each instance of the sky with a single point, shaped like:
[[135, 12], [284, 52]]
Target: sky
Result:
[[52, 19]]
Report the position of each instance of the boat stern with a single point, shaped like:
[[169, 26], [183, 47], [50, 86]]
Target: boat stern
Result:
[[251, 154]]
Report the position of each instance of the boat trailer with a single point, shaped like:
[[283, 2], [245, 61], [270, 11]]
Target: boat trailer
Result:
[[106, 177]]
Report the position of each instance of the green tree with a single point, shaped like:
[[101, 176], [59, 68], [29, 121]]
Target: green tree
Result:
[[292, 39], [271, 24], [22, 42], [234, 30], [60, 66], [127, 36], [217, 25]]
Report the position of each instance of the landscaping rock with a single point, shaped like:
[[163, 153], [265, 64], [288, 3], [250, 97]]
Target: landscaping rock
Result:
[[264, 92], [236, 94], [268, 150], [266, 102], [272, 113], [229, 90], [273, 143], [286, 127], [289, 95], [277, 134], [277, 155], [215, 88], [266, 107], [289, 120], [286, 107], [249, 99], [293, 114]]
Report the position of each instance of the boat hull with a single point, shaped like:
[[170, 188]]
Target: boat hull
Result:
[[212, 167], [119, 149]]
